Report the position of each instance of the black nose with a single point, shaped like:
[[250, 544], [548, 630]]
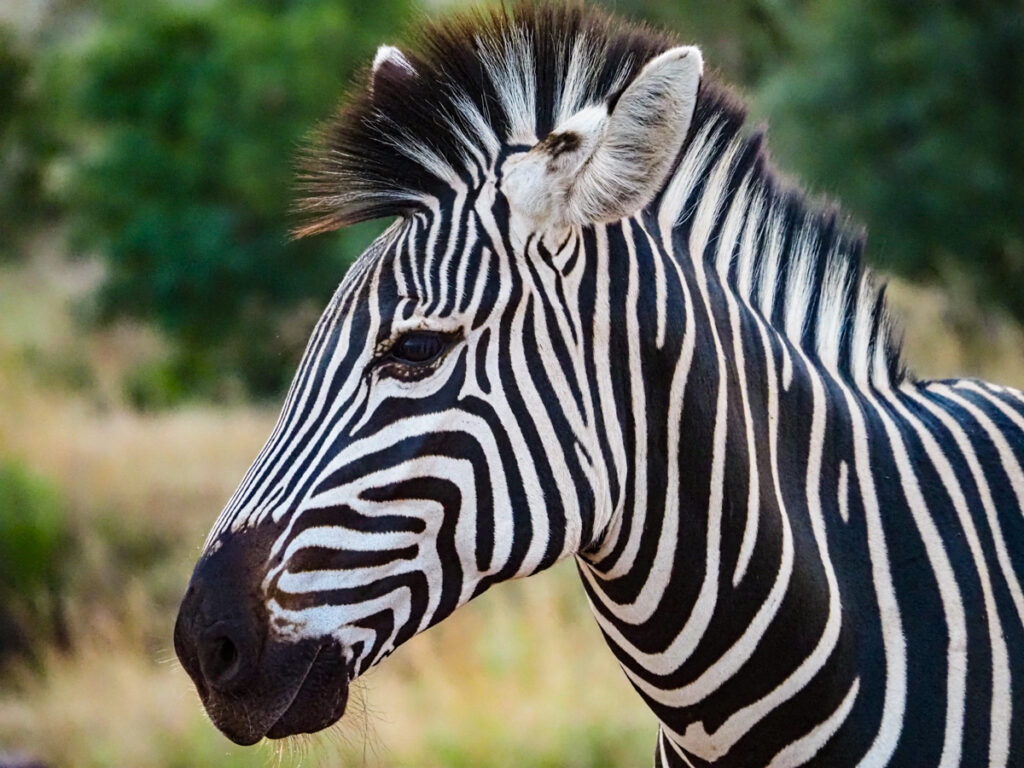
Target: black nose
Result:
[[222, 624], [220, 659], [217, 644]]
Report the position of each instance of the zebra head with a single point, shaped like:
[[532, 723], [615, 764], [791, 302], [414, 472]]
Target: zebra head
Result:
[[442, 432]]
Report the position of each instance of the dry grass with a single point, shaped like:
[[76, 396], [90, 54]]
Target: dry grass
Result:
[[518, 678], [170, 470], [948, 336]]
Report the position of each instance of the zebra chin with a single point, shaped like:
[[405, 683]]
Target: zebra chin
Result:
[[253, 681]]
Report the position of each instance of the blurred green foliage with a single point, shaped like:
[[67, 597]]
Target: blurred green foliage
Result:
[[178, 124], [26, 145], [742, 40], [189, 117], [912, 115], [34, 560]]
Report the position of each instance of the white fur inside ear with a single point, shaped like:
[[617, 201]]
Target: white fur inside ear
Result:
[[646, 130], [536, 183], [598, 166], [671, 63], [589, 123], [527, 187]]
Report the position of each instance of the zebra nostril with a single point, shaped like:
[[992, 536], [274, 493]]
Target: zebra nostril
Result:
[[221, 661]]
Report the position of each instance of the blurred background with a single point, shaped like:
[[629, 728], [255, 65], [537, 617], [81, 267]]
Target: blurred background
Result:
[[152, 310]]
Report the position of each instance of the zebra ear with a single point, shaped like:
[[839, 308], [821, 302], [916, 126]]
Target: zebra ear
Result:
[[390, 64], [645, 131], [609, 161]]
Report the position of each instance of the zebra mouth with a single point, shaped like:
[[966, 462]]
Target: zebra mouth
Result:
[[320, 699], [296, 688]]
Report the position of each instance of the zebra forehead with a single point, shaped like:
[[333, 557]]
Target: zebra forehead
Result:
[[465, 87]]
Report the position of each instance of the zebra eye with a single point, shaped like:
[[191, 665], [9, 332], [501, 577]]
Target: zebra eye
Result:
[[418, 347]]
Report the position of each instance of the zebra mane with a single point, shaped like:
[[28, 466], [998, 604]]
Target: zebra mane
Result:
[[795, 260], [480, 81]]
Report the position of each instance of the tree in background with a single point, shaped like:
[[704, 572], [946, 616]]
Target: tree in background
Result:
[[912, 114], [187, 119], [742, 39], [25, 145]]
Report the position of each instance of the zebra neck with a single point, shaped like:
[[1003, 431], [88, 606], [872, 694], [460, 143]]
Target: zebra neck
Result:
[[690, 577]]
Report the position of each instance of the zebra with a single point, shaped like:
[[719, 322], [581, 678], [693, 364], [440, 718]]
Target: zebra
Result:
[[602, 326]]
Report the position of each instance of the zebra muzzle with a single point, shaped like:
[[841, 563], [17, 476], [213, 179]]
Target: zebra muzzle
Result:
[[252, 683]]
